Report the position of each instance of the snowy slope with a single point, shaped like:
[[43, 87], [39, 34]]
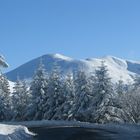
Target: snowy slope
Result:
[[118, 68], [12, 132]]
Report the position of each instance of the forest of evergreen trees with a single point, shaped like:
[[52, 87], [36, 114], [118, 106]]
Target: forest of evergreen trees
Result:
[[73, 97]]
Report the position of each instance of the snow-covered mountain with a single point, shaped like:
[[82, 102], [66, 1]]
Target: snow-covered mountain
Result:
[[118, 68]]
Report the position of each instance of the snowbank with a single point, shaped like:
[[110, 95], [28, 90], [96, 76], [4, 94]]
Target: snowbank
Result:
[[121, 132], [13, 132], [46, 123]]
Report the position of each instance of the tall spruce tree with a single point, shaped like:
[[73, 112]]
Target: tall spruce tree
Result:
[[120, 87], [4, 93], [38, 89], [64, 111], [20, 100], [55, 94], [82, 97], [136, 84], [5, 100], [102, 94]]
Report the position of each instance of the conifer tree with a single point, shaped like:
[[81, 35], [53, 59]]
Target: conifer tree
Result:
[[82, 97], [55, 94], [20, 100], [39, 87], [102, 94], [64, 111], [4, 93], [5, 100]]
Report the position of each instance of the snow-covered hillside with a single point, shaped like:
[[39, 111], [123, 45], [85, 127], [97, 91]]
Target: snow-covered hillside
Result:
[[118, 68]]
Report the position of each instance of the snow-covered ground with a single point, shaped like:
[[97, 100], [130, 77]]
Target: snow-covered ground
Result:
[[14, 132], [124, 131]]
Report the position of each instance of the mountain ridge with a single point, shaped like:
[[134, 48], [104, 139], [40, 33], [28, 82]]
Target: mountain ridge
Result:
[[117, 68]]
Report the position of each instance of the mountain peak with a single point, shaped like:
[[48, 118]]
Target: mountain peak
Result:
[[60, 56], [112, 57]]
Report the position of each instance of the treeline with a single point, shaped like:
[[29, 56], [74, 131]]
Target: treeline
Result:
[[74, 97]]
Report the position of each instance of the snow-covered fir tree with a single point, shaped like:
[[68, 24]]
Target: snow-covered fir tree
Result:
[[130, 103], [20, 100], [64, 112], [121, 91], [120, 87], [39, 92], [4, 93], [56, 96], [5, 100], [136, 84], [3, 62], [103, 91], [131, 106], [82, 97]]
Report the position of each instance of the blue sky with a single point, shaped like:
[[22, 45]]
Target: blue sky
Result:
[[76, 28]]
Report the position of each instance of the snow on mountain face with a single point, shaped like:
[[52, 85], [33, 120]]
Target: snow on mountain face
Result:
[[27, 70], [118, 68], [59, 56]]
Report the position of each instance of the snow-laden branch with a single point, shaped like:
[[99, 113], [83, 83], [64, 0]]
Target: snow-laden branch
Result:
[[3, 63]]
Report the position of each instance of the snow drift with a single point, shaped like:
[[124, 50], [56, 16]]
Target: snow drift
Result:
[[12, 132]]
